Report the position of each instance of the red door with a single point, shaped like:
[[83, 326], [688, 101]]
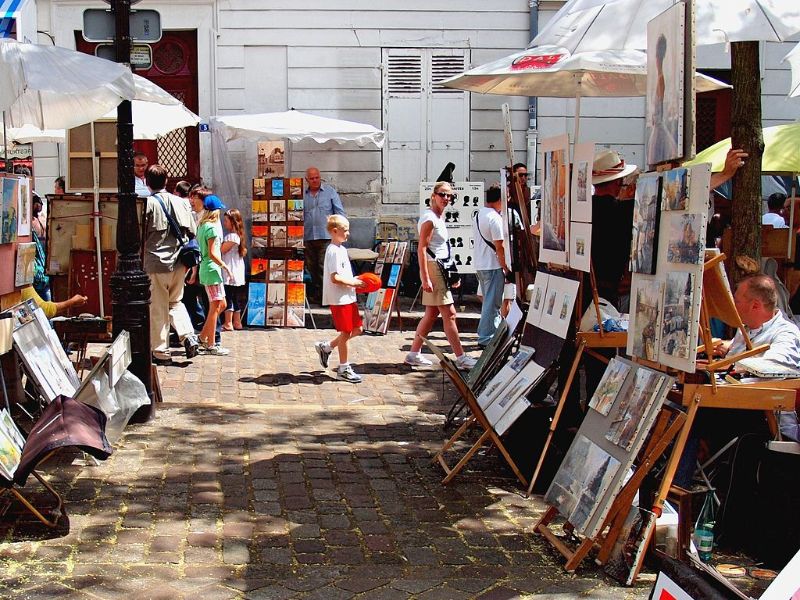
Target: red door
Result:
[[174, 69]]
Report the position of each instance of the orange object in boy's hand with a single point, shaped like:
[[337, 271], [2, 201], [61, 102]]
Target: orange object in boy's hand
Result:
[[371, 283]]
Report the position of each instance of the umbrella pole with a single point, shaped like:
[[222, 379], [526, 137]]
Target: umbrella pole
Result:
[[96, 218], [791, 218], [5, 143], [577, 124]]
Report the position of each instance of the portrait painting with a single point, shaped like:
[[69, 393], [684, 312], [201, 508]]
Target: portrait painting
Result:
[[675, 189], [665, 102], [581, 482], [645, 318], [614, 377], [555, 201], [646, 213], [685, 238]]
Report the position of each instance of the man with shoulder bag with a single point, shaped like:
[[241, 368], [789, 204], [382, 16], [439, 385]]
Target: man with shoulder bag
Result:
[[490, 263], [169, 248]]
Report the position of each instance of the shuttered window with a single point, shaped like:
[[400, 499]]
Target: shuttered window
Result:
[[404, 76], [444, 67]]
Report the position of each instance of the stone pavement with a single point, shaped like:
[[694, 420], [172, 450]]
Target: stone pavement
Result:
[[263, 477]]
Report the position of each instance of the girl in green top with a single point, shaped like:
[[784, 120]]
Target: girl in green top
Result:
[[209, 238]]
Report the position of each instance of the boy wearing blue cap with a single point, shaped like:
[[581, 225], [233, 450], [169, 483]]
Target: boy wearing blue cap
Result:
[[210, 271]]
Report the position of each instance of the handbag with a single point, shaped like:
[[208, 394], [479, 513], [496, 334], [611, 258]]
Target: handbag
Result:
[[447, 266], [189, 254]]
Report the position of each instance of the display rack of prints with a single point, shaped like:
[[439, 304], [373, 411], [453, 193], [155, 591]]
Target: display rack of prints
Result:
[[276, 295], [458, 217], [380, 304]]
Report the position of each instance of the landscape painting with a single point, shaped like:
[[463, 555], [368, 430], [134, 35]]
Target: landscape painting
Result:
[[675, 194], [686, 238], [645, 224], [679, 318], [632, 408], [581, 482], [610, 385], [645, 318]]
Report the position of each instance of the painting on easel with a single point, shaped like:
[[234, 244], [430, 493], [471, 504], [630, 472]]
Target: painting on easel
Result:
[[680, 321], [609, 386], [555, 201], [645, 320], [629, 413], [581, 481], [646, 215]]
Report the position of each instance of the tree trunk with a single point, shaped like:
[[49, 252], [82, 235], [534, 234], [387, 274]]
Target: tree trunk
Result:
[[746, 134]]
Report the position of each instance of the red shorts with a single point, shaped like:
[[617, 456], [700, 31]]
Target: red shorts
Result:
[[346, 317]]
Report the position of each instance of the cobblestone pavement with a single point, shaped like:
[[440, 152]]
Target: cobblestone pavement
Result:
[[263, 477]]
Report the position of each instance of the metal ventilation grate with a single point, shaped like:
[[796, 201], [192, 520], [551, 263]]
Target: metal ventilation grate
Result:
[[444, 67], [404, 75]]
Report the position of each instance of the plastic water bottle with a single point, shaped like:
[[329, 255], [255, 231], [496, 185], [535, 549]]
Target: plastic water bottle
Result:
[[704, 528]]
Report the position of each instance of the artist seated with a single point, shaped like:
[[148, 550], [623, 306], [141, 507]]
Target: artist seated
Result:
[[756, 300], [52, 309]]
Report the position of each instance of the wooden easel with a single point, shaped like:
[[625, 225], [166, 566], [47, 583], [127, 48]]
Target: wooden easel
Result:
[[477, 417], [669, 422], [12, 488], [587, 342]]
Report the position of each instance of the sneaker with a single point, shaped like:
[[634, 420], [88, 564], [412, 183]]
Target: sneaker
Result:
[[465, 363], [324, 352], [417, 360], [192, 346], [347, 374], [216, 350]]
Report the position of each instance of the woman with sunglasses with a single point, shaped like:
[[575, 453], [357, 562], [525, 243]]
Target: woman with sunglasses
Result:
[[436, 296]]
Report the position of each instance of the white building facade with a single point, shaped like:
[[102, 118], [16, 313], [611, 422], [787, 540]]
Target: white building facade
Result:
[[379, 63]]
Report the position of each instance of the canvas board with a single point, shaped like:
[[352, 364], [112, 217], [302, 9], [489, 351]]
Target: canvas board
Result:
[[26, 257], [537, 299], [675, 189], [646, 217], [555, 201], [513, 401], [582, 481], [631, 407], [24, 203], [580, 246], [581, 191], [594, 428], [664, 108], [644, 325], [686, 237], [558, 305], [611, 383], [680, 320], [458, 218], [499, 382], [8, 211]]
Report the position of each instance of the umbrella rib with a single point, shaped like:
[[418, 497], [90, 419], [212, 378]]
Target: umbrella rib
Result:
[[763, 12]]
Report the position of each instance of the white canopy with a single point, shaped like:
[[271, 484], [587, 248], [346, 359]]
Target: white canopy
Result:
[[553, 72], [295, 125]]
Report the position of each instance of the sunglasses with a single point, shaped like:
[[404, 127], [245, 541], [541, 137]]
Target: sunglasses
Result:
[[445, 195], [522, 174]]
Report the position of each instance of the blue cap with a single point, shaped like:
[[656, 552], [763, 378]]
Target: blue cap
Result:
[[213, 202]]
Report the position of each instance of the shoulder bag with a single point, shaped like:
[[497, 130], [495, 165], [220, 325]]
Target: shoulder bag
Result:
[[189, 254], [447, 266]]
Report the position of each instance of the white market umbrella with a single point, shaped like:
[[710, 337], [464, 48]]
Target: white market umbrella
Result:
[[582, 25], [51, 87], [793, 58], [553, 72], [295, 126], [156, 112]]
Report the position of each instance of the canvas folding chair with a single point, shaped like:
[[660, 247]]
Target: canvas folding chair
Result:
[[9, 487]]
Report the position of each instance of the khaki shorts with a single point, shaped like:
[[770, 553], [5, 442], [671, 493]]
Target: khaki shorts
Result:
[[441, 293]]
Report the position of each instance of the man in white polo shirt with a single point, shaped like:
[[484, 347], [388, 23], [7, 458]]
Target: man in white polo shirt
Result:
[[490, 263]]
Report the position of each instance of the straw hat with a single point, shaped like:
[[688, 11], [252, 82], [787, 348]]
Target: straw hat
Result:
[[608, 165]]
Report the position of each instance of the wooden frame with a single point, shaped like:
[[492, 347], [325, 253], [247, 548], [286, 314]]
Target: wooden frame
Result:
[[477, 417], [17, 493]]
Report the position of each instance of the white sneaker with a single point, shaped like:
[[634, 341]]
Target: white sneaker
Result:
[[324, 352], [215, 350], [465, 363], [347, 374], [417, 360]]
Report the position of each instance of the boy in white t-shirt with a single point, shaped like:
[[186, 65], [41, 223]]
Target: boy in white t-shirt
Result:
[[338, 291]]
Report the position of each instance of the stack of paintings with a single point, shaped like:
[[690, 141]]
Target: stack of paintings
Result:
[[622, 411], [276, 297], [667, 265], [380, 304]]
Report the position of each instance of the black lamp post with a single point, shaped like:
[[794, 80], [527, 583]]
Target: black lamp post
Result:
[[130, 285]]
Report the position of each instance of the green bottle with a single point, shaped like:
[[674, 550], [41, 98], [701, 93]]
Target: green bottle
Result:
[[704, 528]]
